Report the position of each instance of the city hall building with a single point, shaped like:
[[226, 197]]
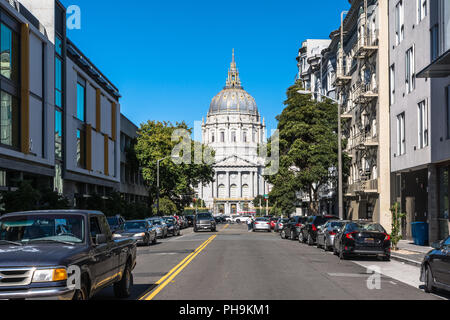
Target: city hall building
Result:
[[233, 128]]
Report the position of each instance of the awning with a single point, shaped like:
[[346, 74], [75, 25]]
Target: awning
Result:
[[440, 68]]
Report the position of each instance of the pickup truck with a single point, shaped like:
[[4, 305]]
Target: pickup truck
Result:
[[65, 255]]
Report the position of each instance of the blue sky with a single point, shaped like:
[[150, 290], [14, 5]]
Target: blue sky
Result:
[[170, 58]]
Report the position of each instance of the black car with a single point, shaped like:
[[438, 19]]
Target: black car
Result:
[[173, 227], [308, 232], [364, 239], [435, 271], [190, 220], [292, 228], [204, 221], [116, 223]]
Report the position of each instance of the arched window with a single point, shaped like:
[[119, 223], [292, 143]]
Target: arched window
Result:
[[222, 136], [212, 137], [233, 191], [233, 136], [222, 190], [245, 191], [244, 136]]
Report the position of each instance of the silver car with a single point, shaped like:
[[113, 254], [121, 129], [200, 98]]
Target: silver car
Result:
[[261, 224], [161, 227], [327, 232], [280, 223], [140, 230]]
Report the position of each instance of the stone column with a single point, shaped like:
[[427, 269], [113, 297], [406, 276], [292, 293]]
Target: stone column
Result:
[[252, 184], [240, 184], [228, 191]]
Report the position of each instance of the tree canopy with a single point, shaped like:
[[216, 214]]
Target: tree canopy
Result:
[[176, 180], [308, 149]]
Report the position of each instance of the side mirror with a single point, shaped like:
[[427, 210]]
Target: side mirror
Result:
[[436, 245], [100, 239]]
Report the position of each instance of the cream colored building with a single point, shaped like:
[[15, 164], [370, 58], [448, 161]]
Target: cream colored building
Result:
[[233, 128], [362, 83]]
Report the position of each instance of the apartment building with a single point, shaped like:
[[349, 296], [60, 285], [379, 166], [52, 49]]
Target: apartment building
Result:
[[419, 100], [362, 83], [132, 187], [60, 117]]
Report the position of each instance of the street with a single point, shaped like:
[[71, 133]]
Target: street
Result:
[[233, 264]]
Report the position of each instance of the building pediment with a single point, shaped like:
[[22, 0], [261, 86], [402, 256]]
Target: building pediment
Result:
[[235, 161]]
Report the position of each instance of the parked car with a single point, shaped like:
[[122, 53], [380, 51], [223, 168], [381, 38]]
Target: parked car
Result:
[[273, 222], [141, 231], [227, 219], [327, 232], [279, 224], [308, 233], [160, 225], [190, 220], [172, 226], [436, 266], [184, 222], [203, 221], [39, 249], [261, 224], [291, 229], [116, 223], [364, 239]]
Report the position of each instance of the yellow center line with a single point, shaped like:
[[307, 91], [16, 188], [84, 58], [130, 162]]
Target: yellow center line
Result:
[[167, 281], [181, 263]]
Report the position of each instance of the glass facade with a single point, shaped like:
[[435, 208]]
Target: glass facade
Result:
[[443, 217], [8, 53], [9, 120], [81, 103], [81, 149], [58, 135], [58, 82]]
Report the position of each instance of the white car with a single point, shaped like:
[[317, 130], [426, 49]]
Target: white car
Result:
[[240, 219]]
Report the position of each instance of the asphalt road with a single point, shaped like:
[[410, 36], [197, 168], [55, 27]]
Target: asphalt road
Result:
[[233, 264]]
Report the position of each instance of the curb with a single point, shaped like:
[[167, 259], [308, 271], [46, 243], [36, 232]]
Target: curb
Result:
[[406, 260]]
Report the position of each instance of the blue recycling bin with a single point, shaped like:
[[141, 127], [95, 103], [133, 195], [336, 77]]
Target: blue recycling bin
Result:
[[420, 233]]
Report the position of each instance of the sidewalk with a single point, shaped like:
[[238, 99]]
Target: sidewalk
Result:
[[410, 253]]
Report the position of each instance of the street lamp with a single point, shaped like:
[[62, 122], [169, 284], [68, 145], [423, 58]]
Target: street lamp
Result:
[[340, 193]]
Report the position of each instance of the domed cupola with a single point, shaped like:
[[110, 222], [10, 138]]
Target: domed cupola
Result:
[[233, 98]]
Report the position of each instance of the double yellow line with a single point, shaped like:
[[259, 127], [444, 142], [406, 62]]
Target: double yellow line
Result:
[[164, 281]]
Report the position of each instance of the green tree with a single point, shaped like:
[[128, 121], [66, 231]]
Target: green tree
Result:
[[25, 198], [176, 180], [167, 207], [308, 149], [51, 200]]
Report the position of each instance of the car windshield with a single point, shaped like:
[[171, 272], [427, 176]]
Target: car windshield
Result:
[[156, 222], [131, 225], [170, 220], [361, 227], [113, 221], [51, 227], [204, 216]]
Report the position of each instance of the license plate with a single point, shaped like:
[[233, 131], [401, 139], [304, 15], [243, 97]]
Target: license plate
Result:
[[369, 240]]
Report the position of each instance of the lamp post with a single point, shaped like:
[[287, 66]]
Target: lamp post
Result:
[[340, 193]]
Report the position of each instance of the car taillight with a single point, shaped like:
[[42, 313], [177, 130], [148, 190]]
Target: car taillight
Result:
[[331, 233], [350, 236], [387, 238], [314, 228], [298, 225]]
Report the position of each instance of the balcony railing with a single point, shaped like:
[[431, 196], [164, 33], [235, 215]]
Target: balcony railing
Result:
[[362, 186], [367, 44]]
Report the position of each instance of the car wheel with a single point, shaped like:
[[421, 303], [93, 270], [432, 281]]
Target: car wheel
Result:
[[300, 237], [292, 237], [429, 288], [81, 294], [310, 240], [122, 289], [283, 234]]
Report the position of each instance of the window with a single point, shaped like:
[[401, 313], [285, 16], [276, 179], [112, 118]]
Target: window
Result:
[[421, 10], [401, 141], [222, 136], [81, 149], [254, 136], [212, 137], [58, 134], [410, 77], [423, 124], [58, 82], [244, 136], [446, 23], [434, 42], [9, 120], [448, 112], [81, 99], [399, 23], [9, 53], [392, 82], [233, 136]]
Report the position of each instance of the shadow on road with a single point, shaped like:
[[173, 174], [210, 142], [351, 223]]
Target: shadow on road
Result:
[[137, 291]]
